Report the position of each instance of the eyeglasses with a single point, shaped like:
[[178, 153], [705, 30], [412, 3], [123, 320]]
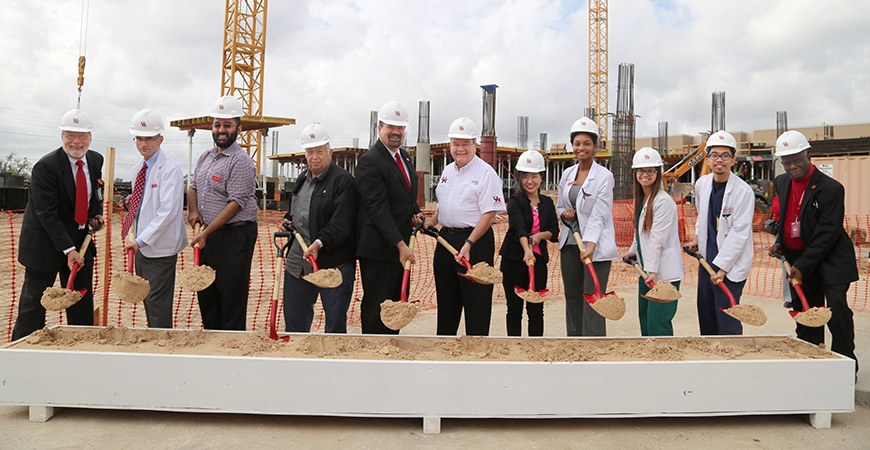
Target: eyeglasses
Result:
[[646, 171], [76, 137], [146, 138], [227, 126], [722, 156]]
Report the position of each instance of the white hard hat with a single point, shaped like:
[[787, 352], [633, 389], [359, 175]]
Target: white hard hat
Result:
[[76, 120], [531, 161], [462, 128], [146, 123], [585, 125], [722, 139], [314, 135], [227, 107], [394, 113], [646, 157], [790, 143]]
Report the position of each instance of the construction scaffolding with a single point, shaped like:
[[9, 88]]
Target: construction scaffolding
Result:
[[623, 134]]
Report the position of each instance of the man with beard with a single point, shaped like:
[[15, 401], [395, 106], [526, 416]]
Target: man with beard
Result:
[[64, 198], [387, 186], [813, 240], [723, 235], [221, 198]]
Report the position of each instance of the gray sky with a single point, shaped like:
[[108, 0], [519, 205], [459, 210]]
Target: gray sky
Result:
[[334, 61]]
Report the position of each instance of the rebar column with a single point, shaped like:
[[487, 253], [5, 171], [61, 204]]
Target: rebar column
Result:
[[623, 134], [488, 139], [423, 158]]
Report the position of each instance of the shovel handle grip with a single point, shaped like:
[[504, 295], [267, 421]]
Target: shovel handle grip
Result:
[[640, 271], [453, 251], [797, 286], [197, 227], [196, 250], [581, 246], [70, 283], [531, 263], [305, 249]]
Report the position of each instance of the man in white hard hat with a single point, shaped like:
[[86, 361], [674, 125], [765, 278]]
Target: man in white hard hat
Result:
[[323, 211], [221, 197], [387, 184], [469, 196], [154, 227], [814, 242], [64, 199], [723, 235]]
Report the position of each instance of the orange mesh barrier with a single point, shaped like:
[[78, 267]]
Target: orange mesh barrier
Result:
[[765, 280]]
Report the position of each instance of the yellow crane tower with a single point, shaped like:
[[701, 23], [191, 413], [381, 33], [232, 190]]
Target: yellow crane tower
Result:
[[242, 73], [598, 66]]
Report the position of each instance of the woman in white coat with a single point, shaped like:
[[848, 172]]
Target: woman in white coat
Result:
[[586, 195], [656, 242]]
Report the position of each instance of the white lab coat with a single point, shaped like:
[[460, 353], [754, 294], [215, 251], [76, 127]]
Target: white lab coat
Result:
[[594, 210], [734, 237], [662, 252], [161, 215]]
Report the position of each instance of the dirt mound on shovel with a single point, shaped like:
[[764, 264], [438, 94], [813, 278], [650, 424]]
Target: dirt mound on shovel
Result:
[[748, 314], [396, 315], [59, 299], [485, 274], [610, 307], [196, 278], [131, 288], [664, 291], [531, 297], [813, 317], [325, 278]]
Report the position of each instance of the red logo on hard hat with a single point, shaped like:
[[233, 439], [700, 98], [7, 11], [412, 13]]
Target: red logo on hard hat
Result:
[[221, 107], [784, 144], [75, 120], [461, 128], [529, 160], [398, 114], [583, 123], [646, 156], [312, 135], [721, 137], [143, 124]]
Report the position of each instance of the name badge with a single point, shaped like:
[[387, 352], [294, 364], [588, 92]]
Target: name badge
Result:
[[796, 229], [154, 185], [215, 177]]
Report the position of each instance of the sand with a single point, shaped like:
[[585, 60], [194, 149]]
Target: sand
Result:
[[748, 314], [663, 292], [531, 296], [58, 299], [813, 317], [611, 306], [397, 315], [131, 288], [419, 348], [483, 273], [196, 278], [325, 278]]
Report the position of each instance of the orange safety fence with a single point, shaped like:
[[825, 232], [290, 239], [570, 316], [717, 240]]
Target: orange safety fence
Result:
[[765, 280]]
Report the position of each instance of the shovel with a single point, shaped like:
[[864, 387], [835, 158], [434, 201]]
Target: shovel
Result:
[[198, 277], [58, 299], [279, 271], [326, 278], [530, 295], [612, 306], [130, 287], [397, 315], [748, 314], [481, 273], [666, 291], [809, 317]]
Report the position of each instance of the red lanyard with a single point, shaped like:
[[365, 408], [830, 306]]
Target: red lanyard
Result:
[[797, 202]]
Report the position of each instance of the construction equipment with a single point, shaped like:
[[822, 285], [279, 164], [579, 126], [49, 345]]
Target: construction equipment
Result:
[[598, 60], [276, 287]]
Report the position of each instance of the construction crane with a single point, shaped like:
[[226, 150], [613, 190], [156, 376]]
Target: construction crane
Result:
[[242, 73], [598, 67]]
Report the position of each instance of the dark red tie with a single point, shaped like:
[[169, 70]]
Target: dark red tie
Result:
[[402, 168], [81, 194], [134, 201]]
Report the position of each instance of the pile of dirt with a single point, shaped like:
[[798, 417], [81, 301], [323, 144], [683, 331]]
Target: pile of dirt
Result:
[[664, 291], [483, 273], [611, 306], [59, 299], [196, 278], [325, 278], [813, 317], [531, 297], [748, 314], [397, 315], [131, 288]]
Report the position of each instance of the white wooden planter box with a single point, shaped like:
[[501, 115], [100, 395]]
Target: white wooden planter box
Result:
[[45, 379]]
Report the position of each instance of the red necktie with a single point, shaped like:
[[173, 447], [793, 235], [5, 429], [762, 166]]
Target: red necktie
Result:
[[402, 168], [81, 194], [134, 202]]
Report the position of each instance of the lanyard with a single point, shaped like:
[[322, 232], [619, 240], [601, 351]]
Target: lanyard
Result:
[[798, 203]]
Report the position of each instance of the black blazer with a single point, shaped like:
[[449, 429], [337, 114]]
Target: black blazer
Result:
[[331, 214], [830, 253], [386, 204], [49, 225], [519, 209]]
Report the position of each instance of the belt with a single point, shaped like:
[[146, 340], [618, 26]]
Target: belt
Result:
[[458, 230], [236, 224]]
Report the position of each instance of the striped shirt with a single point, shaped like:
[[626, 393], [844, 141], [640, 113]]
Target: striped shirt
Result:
[[222, 177]]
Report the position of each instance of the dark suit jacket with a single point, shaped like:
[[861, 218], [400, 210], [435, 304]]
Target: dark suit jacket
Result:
[[49, 225], [519, 209], [386, 204], [332, 214], [830, 253]]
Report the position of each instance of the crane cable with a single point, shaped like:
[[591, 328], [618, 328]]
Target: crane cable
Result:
[[83, 44]]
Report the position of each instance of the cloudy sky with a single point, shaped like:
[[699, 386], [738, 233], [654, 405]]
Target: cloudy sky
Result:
[[335, 61]]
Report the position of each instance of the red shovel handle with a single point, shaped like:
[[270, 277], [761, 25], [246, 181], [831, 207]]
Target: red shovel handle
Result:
[[712, 272], [312, 261], [70, 284], [130, 255], [797, 287], [531, 264], [196, 255]]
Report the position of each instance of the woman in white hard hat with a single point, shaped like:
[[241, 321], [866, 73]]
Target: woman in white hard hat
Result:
[[656, 242], [532, 217], [586, 196]]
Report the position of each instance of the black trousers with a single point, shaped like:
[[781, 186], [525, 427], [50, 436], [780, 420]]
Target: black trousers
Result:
[[456, 294], [841, 325], [229, 251], [31, 313], [380, 281], [516, 274]]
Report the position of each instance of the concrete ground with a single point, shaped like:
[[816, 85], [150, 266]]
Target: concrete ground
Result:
[[82, 428]]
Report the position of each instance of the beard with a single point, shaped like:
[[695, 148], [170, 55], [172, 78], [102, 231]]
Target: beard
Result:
[[223, 139]]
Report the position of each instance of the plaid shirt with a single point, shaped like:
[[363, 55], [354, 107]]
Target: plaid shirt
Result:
[[222, 177]]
